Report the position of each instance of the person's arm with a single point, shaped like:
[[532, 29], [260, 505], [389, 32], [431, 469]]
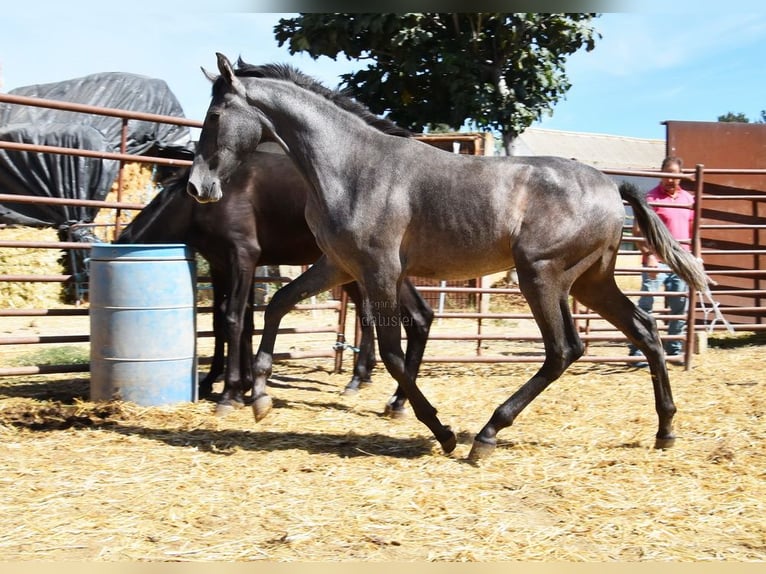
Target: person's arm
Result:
[[648, 258]]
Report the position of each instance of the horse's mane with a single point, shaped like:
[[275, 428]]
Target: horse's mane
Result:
[[289, 73]]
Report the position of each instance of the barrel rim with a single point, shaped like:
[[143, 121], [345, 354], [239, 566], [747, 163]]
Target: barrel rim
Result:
[[140, 251]]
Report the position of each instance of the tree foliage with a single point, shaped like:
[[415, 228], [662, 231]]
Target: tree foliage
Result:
[[740, 117], [497, 71], [732, 117]]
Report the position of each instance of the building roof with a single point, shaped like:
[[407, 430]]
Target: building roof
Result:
[[599, 150]]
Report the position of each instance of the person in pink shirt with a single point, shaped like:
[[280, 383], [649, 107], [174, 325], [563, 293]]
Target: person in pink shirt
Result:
[[680, 221]]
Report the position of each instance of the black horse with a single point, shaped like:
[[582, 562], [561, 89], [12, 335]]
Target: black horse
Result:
[[261, 222], [383, 208]]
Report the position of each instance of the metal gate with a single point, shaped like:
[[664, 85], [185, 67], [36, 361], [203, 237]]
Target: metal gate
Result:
[[729, 239]]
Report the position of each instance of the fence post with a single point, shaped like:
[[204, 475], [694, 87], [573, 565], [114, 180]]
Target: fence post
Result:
[[696, 250]]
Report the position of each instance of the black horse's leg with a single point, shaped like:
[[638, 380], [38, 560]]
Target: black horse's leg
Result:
[[242, 269], [382, 307], [365, 358], [321, 276], [417, 317], [640, 327], [220, 289], [246, 342], [546, 290]]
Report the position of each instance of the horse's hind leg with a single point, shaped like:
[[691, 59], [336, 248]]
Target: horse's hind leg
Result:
[[319, 277], [545, 289], [417, 317], [365, 358], [604, 296]]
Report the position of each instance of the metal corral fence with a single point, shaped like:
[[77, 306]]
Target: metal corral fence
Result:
[[497, 328]]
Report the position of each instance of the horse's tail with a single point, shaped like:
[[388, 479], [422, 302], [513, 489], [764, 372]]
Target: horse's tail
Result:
[[658, 238]]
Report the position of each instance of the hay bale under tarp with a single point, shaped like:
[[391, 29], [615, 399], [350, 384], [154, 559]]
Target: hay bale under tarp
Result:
[[30, 261], [138, 186]]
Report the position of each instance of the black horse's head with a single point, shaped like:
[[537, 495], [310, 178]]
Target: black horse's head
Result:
[[167, 217]]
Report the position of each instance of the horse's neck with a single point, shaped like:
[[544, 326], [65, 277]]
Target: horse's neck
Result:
[[313, 132], [163, 222]]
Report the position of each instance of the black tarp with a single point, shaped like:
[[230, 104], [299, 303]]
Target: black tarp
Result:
[[53, 175], [58, 175]]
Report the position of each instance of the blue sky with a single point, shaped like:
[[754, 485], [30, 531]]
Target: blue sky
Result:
[[650, 65]]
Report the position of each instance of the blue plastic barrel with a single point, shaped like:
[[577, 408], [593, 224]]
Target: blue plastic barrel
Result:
[[143, 336]]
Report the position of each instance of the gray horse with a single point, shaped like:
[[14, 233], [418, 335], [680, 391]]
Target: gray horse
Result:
[[384, 207]]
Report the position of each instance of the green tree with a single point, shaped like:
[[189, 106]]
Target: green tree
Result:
[[495, 71], [740, 117], [732, 117]]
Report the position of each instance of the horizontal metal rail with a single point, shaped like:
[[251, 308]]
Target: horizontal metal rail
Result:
[[85, 367], [92, 153], [97, 110], [38, 200], [43, 312]]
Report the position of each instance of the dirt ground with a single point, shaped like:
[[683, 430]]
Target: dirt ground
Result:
[[327, 478]]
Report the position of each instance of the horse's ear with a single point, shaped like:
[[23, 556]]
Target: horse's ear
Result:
[[224, 66], [208, 75], [227, 72]]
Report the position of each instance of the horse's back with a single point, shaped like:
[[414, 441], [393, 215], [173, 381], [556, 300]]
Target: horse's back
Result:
[[499, 206]]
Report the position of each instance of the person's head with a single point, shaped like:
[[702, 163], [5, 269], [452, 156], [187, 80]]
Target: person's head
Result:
[[671, 164]]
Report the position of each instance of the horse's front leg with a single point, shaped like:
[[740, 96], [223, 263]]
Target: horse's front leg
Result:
[[233, 396], [417, 317], [246, 344], [365, 358], [321, 276]]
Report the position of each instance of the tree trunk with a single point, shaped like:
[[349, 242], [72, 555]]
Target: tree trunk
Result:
[[510, 143]]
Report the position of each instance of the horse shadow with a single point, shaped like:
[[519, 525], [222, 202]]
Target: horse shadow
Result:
[[65, 391], [227, 442], [63, 405]]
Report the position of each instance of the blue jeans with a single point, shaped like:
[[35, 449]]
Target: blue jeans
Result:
[[677, 305]]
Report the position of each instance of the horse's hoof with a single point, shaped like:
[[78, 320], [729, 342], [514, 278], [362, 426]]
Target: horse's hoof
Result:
[[261, 407], [449, 443], [395, 413], [667, 442], [224, 409], [349, 392], [480, 451]]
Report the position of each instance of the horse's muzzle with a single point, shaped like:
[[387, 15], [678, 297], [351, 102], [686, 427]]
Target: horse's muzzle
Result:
[[208, 194]]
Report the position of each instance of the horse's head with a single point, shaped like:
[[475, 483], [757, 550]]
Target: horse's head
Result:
[[246, 108], [231, 130], [166, 218]]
